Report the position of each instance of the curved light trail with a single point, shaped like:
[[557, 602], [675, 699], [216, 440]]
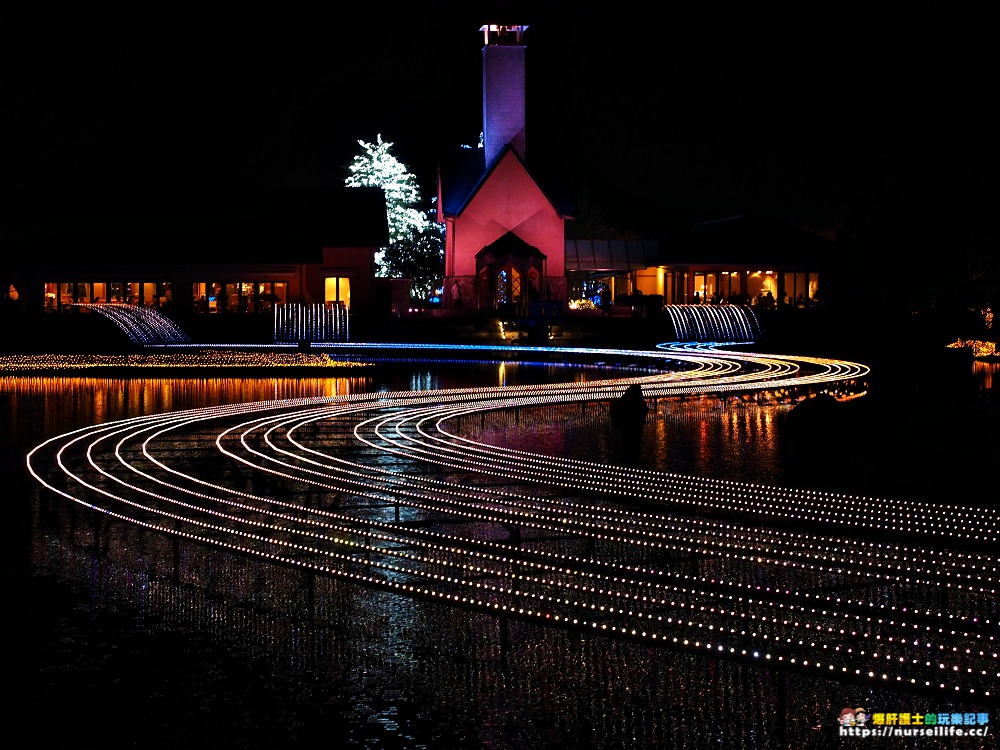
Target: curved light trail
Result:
[[387, 490]]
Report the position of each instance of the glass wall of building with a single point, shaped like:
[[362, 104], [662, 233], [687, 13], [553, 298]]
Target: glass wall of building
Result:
[[705, 287], [67, 296], [801, 288], [762, 288], [241, 297]]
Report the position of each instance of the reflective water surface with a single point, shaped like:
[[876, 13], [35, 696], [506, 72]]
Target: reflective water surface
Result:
[[135, 638]]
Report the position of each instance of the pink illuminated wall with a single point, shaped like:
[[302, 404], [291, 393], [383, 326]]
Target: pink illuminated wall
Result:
[[509, 200]]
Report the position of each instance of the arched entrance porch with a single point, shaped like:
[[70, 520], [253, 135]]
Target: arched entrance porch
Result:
[[509, 275]]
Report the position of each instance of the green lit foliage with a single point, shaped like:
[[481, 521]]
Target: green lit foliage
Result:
[[419, 256]]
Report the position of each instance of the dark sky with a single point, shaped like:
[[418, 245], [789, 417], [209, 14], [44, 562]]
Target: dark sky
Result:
[[829, 115]]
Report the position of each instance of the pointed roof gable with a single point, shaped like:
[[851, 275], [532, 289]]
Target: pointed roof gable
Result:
[[507, 152]]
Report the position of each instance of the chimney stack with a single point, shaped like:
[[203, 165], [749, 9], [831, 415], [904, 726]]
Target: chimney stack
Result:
[[503, 89]]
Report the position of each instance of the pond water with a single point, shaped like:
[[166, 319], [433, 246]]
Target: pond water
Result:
[[124, 637]]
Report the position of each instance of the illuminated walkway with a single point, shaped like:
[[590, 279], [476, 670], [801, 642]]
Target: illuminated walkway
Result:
[[388, 490]]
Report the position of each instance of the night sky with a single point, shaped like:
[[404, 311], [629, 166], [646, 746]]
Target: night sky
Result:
[[881, 125]]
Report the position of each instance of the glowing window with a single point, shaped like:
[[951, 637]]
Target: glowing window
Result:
[[338, 291]]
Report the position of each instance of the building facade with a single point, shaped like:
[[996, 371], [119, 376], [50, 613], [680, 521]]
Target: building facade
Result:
[[506, 239], [196, 258], [504, 234]]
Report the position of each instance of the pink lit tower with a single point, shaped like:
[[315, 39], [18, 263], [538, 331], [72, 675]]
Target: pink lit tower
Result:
[[503, 89], [505, 238]]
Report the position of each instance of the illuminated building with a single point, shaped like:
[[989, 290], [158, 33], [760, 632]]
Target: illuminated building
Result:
[[505, 233], [204, 259], [506, 222], [740, 259]]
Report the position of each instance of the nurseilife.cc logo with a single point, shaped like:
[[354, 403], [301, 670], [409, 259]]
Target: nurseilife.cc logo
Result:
[[858, 722]]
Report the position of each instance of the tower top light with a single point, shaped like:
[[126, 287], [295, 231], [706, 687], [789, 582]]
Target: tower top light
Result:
[[498, 34]]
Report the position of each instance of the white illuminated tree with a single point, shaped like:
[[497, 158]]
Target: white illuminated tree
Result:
[[416, 247], [376, 166]]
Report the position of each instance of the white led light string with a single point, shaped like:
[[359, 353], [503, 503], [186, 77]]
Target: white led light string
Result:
[[618, 595], [757, 500], [890, 638], [544, 606]]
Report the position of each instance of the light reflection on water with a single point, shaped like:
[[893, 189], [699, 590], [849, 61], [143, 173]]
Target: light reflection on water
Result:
[[983, 373], [701, 437], [274, 656]]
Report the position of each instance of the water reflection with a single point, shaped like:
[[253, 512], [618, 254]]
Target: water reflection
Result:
[[276, 656], [58, 404], [50, 405], [707, 437], [983, 373]]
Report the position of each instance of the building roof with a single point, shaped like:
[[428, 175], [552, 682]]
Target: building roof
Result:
[[462, 173], [459, 171], [288, 225], [616, 256], [746, 239]]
